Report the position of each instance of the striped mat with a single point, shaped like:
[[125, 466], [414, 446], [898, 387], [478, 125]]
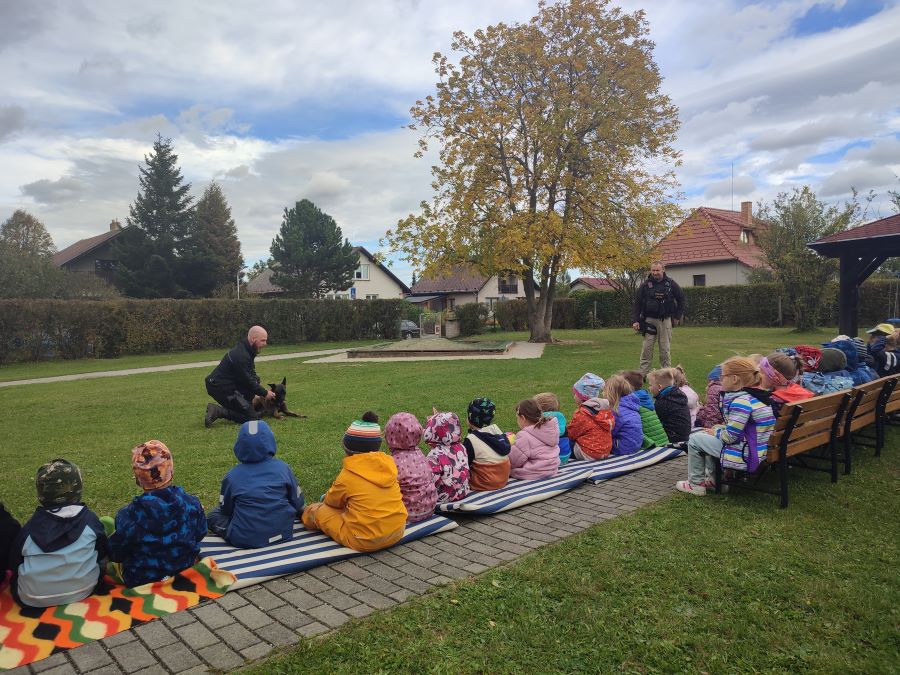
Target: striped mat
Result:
[[521, 492], [306, 550], [619, 466]]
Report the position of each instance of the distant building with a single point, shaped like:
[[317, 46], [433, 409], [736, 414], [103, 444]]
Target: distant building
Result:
[[464, 284], [373, 281], [92, 254], [713, 247], [591, 284]]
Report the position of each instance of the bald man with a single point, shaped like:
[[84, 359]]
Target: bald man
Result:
[[234, 382]]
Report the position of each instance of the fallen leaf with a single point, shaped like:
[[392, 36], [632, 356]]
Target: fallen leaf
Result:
[[492, 623]]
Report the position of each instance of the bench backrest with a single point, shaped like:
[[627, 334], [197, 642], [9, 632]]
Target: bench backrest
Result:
[[864, 408], [893, 402], [808, 424]]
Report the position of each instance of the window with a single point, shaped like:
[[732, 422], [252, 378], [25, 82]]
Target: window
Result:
[[508, 283], [492, 303], [371, 297], [699, 280], [745, 236], [105, 269], [362, 273], [451, 304]]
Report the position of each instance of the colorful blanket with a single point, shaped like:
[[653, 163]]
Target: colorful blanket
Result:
[[306, 550], [28, 635], [619, 466]]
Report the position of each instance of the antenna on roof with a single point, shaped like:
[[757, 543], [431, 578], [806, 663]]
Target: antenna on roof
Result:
[[732, 186]]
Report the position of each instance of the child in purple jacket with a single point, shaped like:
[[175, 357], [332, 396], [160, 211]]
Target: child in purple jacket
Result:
[[627, 432], [403, 434]]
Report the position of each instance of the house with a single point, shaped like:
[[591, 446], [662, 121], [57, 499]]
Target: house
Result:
[[591, 284], [92, 254], [373, 281], [464, 284], [713, 247]]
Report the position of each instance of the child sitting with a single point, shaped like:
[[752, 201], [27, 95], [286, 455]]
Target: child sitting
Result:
[[693, 399], [487, 448], [748, 425], [627, 434], [260, 498], [403, 433], [651, 426], [548, 402], [671, 405], [780, 373], [59, 555], [363, 509], [9, 530], [535, 452], [591, 428], [887, 361], [447, 457], [710, 413], [159, 533]]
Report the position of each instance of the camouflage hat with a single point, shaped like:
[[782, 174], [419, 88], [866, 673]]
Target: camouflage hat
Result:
[[59, 483], [152, 465]]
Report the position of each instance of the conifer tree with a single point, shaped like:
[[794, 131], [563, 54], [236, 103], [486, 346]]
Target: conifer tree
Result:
[[212, 255]]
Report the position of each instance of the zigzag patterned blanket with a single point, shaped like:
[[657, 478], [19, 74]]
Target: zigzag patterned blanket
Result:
[[28, 635]]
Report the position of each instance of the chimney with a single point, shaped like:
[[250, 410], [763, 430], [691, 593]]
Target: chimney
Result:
[[747, 212], [115, 225]]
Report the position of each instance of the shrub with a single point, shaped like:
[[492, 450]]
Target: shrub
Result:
[[471, 317]]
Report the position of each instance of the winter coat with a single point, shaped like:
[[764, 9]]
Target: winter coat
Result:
[[826, 383], [674, 413], [237, 371], [627, 434], [157, 535], [887, 362], [591, 428], [9, 529], [535, 452], [565, 445], [710, 413], [448, 459], [693, 401], [738, 408], [488, 453], [416, 483], [260, 495], [58, 556], [651, 426]]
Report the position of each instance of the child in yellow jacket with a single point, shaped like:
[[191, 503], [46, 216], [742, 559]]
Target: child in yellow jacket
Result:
[[363, 508]]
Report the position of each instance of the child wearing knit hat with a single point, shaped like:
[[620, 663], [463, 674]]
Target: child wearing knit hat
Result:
[[590, 429], [487, 448], [159, 533], [59, 555], [363, 509]]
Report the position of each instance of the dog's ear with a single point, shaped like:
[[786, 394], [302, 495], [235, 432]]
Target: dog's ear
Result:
[[283, 381]]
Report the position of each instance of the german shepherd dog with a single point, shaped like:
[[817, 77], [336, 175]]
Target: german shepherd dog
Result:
[[277, 407]]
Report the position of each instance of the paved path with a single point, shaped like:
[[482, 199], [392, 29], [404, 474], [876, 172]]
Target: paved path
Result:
[[517, 350], [248, 624]]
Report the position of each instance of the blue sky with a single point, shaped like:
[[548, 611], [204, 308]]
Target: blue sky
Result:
[[308, 99]]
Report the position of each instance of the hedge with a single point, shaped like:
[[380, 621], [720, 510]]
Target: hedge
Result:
[[31, 330]]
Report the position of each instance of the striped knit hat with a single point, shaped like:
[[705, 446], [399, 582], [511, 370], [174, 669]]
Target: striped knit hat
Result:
[[362, 437]]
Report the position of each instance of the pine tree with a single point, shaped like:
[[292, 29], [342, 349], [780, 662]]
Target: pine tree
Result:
[[308, 256], [213, 253], [150, 248]]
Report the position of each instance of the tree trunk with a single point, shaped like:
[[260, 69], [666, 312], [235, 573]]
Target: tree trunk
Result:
[[540, 312]]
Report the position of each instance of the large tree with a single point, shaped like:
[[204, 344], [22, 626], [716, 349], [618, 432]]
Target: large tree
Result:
[[555, 150], [309, 256], [212, 256], [23, 234], [150, 249], [792, 221]]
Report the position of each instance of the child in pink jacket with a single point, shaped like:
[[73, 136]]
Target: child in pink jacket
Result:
[[403, 434], [448, 459], [535, 452]]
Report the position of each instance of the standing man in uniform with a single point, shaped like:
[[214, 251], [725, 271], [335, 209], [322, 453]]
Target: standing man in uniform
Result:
[[659, 305], [234, 382]]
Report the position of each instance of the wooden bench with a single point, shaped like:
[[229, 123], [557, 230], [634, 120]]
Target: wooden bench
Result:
[[800, 428], [869, 407]]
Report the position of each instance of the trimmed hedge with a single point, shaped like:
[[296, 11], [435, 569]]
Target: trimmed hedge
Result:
[[471, 317], [31, 330]]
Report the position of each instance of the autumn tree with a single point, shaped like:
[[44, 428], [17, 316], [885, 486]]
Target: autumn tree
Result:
[[23, 234], [792, 221], [310, 257], [555, 150]]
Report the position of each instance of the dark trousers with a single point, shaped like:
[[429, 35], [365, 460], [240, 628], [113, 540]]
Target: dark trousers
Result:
[[217, 522], [235, 403]]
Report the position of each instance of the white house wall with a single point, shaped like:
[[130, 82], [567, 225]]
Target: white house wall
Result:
[[379, 283], [717, 273], [492, 290]]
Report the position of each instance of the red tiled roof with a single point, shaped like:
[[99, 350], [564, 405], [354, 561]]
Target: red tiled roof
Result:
[[877, 228], [709, 235], [79, 248], [461, 279], [596, 283]]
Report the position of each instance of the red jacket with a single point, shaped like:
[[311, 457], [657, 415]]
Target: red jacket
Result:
[[591, 427]]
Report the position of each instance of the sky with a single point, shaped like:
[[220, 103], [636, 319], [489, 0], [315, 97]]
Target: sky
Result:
[[291, 99]]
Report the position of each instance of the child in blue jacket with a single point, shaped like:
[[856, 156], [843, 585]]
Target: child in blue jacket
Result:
[[260, 498], [627, 432]]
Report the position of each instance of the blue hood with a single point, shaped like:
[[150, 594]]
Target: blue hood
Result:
[[255, 442], [645, 398], [630, 402]]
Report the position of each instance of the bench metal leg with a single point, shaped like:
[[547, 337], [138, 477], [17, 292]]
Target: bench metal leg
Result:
[[718, 478], [832, 446], [848, 452], [783, 477]]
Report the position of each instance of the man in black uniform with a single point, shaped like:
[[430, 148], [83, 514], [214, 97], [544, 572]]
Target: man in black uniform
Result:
[[658, 306], [234, 382]]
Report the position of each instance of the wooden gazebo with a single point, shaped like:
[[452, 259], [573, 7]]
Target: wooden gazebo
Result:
[[861, 251]]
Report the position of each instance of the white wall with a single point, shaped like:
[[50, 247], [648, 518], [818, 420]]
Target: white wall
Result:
[[378, 284], [717, 273]]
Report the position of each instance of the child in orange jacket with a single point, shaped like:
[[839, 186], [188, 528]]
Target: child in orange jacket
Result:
[[363, 508]]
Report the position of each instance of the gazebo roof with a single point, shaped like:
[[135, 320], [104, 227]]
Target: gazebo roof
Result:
[[882, 236]]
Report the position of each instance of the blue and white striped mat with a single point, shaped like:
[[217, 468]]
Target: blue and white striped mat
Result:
[[619, 466], [306, 550]]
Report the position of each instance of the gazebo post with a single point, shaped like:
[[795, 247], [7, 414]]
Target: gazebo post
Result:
[[848, 297]]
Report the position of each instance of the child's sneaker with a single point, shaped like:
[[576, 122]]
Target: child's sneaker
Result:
[[686, 486]]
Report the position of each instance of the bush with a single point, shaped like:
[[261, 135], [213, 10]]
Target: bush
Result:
[[471, 317]]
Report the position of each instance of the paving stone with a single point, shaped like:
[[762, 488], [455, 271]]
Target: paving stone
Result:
[[439, 580], [416, 571], [290, 617], [450, 571], [311, 585], [155, 669], [155, 634], [322, 573], [415, 585], [348, 585], [337, 599], [251, 616], [110, 669], [360, 611], [236, 636], [65, 669], [213, 616], [89, 656], [349, 568], [263, 598], [196, 636], [378, 568], [301, 599], [475, 568], [419, 558], [513, 548], [328, 615], [402, 595], [177, 657], [221, 658], [279, 586], [196, 670], [257, 651], [133, 656], [314, 628], [279, 635], [51, 661], [231, 601], [178, 619], [374, 599], [383, 586]]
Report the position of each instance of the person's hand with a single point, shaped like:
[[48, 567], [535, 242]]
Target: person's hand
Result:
[[270, 395], [636, 325]]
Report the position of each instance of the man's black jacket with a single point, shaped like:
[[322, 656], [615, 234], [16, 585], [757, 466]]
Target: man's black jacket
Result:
[[658, 300], [237, 371]]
